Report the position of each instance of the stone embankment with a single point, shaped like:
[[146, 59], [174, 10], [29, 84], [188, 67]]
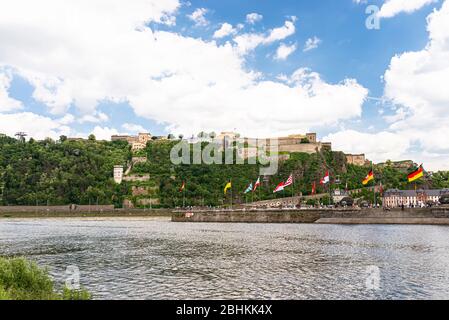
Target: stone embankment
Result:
[[438, 216]]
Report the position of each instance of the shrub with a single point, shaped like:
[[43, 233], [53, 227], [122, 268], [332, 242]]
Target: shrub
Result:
[[21, 279]]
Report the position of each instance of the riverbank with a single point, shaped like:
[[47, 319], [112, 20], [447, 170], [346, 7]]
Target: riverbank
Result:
[[85, 214], [424, 216], [21, 279]]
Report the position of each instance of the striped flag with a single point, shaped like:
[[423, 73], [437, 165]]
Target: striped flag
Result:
[[416, 174], [289, 181], [249, 189], [182, 187], [279, 188], [256, 185], [368, 178], [326, 178]]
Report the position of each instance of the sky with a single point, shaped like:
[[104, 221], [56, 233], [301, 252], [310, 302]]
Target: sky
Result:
[[370, 76]]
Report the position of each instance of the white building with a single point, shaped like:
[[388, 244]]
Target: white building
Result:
[[395, 198], [118, 174]]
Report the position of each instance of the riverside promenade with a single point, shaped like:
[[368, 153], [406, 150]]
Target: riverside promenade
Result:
[[70, 211], [425, 216]]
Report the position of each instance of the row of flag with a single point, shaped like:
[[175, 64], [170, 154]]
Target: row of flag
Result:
[[417, 174]]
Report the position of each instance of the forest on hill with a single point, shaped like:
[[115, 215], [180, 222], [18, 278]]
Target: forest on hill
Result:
[[81, 172]]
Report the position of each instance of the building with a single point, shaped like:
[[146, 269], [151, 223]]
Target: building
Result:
[[249, 152], [400, 165], [138, 142], [135, 146], [307, 143], [118, 174], [394, 198], [356, 159], [226, 138]]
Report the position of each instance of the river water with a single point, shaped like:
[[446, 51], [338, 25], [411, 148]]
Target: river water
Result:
[[153, 258]]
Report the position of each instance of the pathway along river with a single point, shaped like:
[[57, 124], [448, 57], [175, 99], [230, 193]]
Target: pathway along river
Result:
[[145, 258]]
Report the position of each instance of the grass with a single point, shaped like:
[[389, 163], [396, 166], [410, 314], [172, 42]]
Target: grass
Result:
[[21, 279]]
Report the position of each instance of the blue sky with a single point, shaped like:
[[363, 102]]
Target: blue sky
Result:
[[94, 73]]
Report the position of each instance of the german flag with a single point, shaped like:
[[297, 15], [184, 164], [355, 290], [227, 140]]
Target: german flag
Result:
[[368, 178], [416, 174]]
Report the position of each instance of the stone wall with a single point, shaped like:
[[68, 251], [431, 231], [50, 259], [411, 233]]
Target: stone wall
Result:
[[336, 216], [68, 208], [302, 147], [356, 159]]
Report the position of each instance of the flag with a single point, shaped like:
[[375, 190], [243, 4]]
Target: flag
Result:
[[381, 188], [326, 178], [279, 188], [257, 184], [314, 188], [289, 181], [249, 189], [368, 178], [416, 175], [227, 187], [182, 187]]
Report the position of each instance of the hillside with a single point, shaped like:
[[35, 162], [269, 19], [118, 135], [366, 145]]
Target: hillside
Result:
[[64, 172]]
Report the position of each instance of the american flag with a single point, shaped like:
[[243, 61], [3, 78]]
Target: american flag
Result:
[[289, 181]]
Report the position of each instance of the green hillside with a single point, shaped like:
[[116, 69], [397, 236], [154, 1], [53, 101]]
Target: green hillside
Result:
[[63, 172]]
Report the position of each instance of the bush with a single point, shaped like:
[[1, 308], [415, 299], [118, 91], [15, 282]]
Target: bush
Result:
[[21, 279]]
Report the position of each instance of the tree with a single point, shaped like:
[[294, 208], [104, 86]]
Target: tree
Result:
[[181, 136], [212, 135], [171, 136], [92, 137], [62, 138]]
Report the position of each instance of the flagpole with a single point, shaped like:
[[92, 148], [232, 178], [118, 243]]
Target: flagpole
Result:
[[184, 196], [293, 187], [374, 189], [252, 197], [231, 193]]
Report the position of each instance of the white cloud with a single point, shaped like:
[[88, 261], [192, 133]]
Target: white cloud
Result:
[[312, 43], [416, 82], [96, 117], [284, 51], [6, 102], [198, 16], [392, 8], [134, 128], [104, 133], [252, 18], [89, 51], [225, 30], [307, 101], [36, 126], [378, 146], [250, 41]]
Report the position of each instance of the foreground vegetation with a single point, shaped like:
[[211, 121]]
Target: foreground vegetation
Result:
[[21, 279], [81, 172]]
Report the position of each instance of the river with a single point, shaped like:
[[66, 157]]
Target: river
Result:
[[153, 258]]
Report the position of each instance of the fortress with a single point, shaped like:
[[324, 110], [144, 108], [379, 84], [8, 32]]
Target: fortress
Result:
[[301, 143], [357, 159], [138, 142], [304, 143]]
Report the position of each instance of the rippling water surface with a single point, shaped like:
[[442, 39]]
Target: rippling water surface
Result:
[[156, 259]]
